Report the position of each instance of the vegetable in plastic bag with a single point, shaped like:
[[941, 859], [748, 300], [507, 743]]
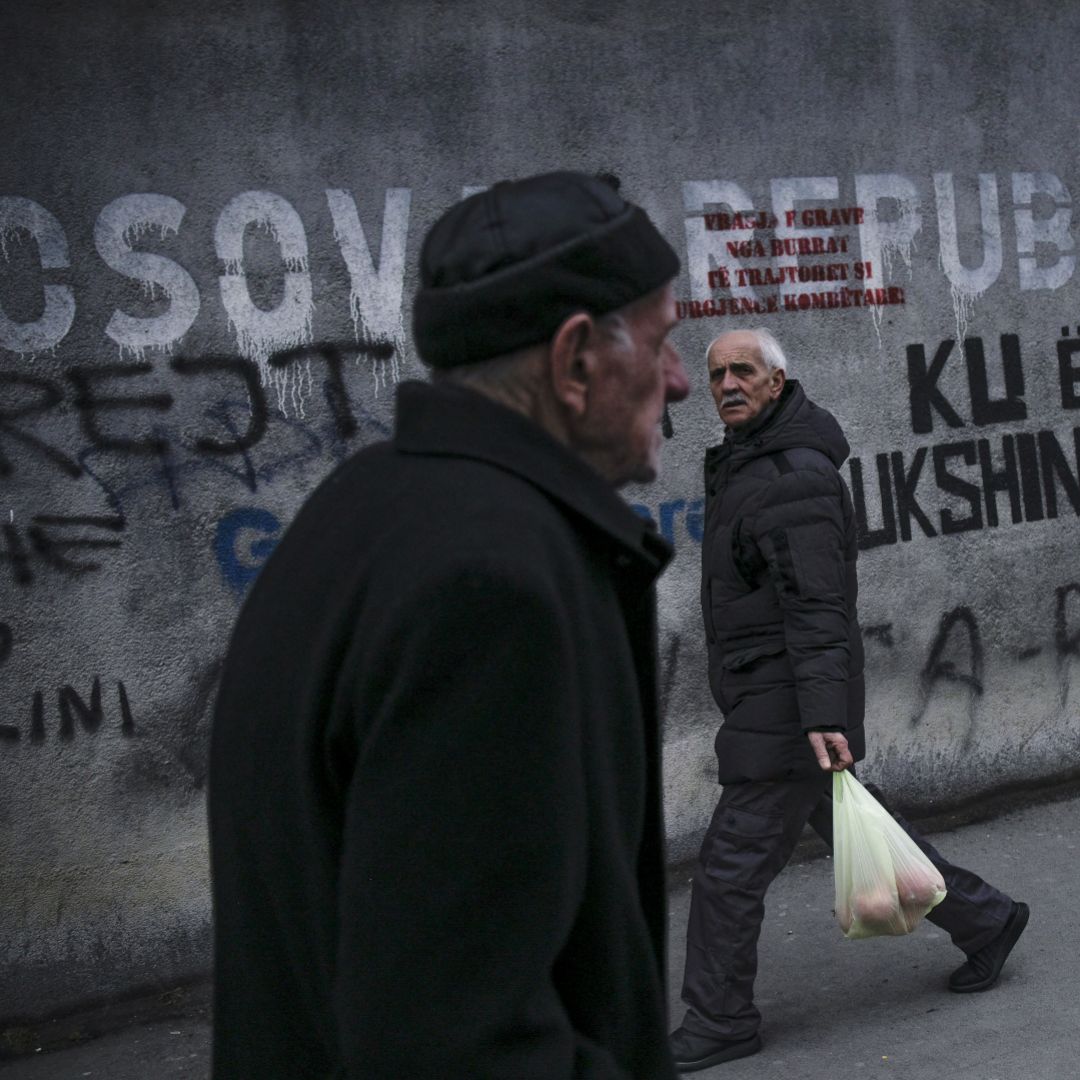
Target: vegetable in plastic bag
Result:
[[884, 883]]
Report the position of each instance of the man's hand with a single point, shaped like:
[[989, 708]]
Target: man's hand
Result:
[[831, 750]]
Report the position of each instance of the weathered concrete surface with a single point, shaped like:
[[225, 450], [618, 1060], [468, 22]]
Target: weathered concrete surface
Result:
[[831, 1007], [187, 192]]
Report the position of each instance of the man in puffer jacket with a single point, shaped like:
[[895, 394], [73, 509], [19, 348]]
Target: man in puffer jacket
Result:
[[778, 593]]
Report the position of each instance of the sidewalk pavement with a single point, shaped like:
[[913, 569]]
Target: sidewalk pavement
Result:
[[832, 1008]]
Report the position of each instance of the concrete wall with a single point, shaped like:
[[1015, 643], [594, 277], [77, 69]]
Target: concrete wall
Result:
[[209, 221]]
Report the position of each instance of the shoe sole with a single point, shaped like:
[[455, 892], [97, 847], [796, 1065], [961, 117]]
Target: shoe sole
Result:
[[1019, 923], [729, 1053]]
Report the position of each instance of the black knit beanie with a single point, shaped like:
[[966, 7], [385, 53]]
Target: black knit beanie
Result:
[[502, 269]]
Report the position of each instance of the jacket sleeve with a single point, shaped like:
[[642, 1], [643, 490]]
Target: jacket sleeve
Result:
[[799, 529], [465, 837]]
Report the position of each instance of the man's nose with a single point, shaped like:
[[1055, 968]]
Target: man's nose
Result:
[[676, 381], [728, 384]]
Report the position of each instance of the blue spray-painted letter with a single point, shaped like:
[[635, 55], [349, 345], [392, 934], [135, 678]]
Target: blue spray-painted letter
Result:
[[245, 537]]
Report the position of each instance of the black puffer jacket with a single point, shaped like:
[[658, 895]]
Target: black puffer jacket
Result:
[[779, 591]]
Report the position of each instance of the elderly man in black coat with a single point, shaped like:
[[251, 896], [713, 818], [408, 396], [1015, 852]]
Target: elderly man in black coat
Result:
[[435, 813], [778, 594]]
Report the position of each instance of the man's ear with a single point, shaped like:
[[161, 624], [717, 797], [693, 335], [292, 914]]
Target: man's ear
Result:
[[573, 362], [777, 378]]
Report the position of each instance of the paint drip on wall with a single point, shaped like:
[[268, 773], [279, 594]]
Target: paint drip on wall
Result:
[[261, 333]]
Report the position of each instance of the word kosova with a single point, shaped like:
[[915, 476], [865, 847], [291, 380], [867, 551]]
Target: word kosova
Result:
[[121, 234]]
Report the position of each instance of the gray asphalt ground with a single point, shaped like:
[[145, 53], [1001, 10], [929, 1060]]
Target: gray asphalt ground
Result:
[[833, 1008]]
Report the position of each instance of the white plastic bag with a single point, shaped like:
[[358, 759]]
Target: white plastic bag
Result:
[[884, 883]]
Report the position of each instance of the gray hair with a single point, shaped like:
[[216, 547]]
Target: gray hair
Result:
[[768, 346], [771, 352], [510, 374], [615, 328]]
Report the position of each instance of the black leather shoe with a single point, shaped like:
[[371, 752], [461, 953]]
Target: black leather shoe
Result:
[[693, 1052], [983, 968]]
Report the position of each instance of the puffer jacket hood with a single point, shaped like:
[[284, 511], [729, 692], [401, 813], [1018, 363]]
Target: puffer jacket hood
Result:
[[795, 422]]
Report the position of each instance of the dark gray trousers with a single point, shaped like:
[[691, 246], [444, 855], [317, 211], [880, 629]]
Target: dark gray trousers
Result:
[[749, 841]]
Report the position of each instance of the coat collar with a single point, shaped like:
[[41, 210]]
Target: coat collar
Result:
[[452, 421], [794, 421]]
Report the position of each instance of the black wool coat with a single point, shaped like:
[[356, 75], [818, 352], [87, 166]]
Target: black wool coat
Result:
[[779, 592], [435, 800]]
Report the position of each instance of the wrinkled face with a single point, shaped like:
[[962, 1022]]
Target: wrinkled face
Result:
[[638, 373], [742, 384]]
